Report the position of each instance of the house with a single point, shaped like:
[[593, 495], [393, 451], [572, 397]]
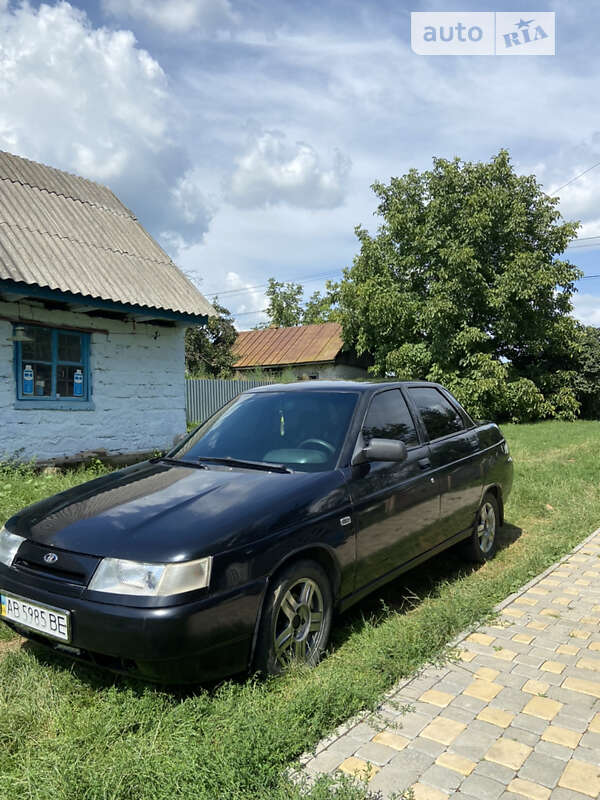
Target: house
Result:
[[311, 351], [92, 320]]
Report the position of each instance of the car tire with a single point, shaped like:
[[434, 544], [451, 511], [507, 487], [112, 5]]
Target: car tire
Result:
[[483, 542], [296, 619]]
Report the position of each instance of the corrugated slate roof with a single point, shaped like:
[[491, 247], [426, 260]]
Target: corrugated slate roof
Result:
[[63, 232], [279, 347]]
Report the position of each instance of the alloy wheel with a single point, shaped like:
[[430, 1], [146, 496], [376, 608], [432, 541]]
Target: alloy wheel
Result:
[[300, 623], [486, 527]]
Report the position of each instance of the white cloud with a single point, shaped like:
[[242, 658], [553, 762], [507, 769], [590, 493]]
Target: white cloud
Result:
[[579, 200], [275, 171], [244, 249], [241, 297], [75, 94], [189, 198], [176, 16], [587, 308], [90, 101], [194, 209]]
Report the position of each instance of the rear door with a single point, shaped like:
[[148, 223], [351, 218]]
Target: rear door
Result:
[[455, 456], [396, 505]]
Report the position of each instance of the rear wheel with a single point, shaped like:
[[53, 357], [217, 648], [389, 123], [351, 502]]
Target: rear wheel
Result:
[[296, 619], [482, 544]]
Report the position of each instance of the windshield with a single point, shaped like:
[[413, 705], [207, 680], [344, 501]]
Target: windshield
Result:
[[302, 430]]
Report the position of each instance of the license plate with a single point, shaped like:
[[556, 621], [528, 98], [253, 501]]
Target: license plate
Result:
[[52, 622]]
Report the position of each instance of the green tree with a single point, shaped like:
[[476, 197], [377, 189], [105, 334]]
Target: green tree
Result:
[[208, 348], [287, 308], [322, 307], [461, 283], [285, 304], [588, 383]]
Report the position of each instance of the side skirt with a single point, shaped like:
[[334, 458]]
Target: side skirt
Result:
[[349, 600]]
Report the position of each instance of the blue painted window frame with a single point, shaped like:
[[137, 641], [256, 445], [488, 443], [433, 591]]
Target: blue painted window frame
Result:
[[52, 401]]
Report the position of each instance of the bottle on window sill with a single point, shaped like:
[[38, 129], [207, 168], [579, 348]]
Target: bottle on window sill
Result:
[[78, 383], [28, 379]]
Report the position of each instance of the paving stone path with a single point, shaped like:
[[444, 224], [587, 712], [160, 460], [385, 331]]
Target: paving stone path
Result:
[[518, 715]]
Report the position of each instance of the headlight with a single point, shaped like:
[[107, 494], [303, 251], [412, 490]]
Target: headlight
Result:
[[118, 576], [9, 544]]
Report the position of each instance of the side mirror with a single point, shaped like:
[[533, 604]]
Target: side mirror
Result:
[[381, 450]]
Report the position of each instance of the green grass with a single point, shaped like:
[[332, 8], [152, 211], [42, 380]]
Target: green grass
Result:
[[69, 732], [23, 485]]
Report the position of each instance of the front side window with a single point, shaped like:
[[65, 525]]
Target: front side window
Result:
[[388, 417], [52, 365], [438, 414], [303, 430]]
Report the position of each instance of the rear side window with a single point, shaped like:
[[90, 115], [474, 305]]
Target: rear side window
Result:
[[389, 418], [439, 415]]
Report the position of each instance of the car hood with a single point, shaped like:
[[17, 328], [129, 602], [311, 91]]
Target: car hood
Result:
[[159, 512]]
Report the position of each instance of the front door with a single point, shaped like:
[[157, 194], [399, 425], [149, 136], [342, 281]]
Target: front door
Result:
[[396, 505]]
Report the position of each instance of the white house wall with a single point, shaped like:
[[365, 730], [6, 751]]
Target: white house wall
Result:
[[138, 390]]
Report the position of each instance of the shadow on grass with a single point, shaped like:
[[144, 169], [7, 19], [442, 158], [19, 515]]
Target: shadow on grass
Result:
[[93, 676], [397, 597], [407, 591]]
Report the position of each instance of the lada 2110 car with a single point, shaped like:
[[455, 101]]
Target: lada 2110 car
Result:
[[235, 549]]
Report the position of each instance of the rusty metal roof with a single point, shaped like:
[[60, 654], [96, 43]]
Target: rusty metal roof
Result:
[[63, 232], [280, 347]]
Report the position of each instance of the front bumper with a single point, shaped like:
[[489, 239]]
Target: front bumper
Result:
[[200, 641]]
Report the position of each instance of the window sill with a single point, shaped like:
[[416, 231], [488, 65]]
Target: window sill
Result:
[[54, 405]]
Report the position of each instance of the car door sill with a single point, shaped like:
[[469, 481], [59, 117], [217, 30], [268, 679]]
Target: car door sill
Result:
[[357, 595]]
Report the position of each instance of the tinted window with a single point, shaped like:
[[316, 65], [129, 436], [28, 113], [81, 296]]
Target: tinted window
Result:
[[389, 418], [439, 416], [304, 430]]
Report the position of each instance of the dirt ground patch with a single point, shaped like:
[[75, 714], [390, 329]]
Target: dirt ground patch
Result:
[[9, 646]]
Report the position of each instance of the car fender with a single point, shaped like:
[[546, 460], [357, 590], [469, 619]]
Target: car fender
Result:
[[301, 552]]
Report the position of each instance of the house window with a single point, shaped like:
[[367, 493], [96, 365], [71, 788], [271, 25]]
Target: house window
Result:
[[53, 367]]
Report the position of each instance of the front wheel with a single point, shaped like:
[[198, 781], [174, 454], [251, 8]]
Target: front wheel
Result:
[[296, 619], [482, 544]]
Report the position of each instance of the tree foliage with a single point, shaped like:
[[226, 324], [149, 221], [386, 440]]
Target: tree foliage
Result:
[[588, 381], [208, 348], [287, 308], [322, 307], [462, 284]]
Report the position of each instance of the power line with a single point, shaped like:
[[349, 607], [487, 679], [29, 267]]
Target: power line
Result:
[[306, 279], [247, 313], [264, 310], [311, 278], [589, 169], [236, 291]]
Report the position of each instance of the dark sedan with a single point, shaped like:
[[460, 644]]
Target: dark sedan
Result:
[[235, 550]]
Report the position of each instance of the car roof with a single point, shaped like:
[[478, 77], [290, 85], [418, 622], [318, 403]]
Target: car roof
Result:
[[337, 386]]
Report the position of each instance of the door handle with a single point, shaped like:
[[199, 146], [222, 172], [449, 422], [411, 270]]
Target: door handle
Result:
[[424, 463]]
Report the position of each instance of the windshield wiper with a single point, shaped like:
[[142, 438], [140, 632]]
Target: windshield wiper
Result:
[[178, 462], [265, 466]]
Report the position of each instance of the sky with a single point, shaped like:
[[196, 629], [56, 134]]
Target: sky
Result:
[[245, 135]]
